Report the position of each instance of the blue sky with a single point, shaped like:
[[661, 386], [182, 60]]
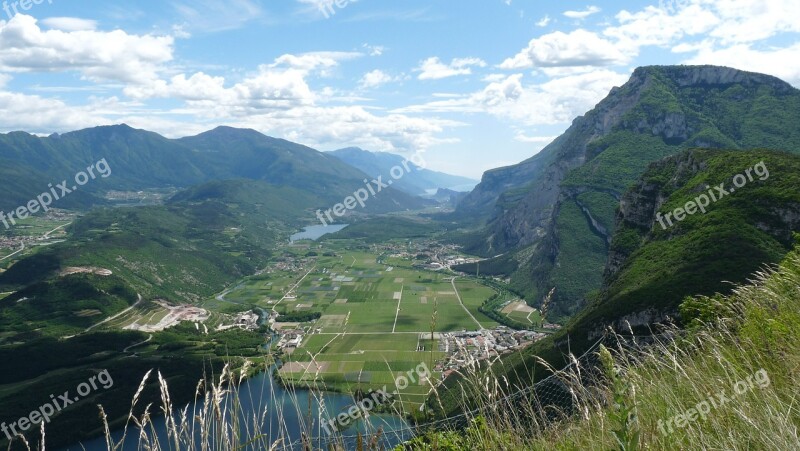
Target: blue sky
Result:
[[477, 84]]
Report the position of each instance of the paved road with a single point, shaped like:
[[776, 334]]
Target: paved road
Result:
[[396, 315], [294, 287], [137, 344], [14, 253], [110, 318], [453, 282], [47, 235]]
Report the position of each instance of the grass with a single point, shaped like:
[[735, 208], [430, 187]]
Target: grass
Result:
[[745, 347]]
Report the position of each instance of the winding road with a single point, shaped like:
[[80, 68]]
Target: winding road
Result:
[[137, 344], [110, 318]]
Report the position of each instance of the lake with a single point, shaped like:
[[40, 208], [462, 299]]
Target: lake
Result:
[[316, 231], [286, 411]]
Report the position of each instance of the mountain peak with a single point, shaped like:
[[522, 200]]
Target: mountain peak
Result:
[[707, 75], [224, 131]]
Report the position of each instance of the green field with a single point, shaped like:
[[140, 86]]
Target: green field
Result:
[[377, 314]]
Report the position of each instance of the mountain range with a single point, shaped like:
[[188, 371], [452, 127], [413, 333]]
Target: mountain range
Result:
[[552, 217], [140, 160], [418, 181]]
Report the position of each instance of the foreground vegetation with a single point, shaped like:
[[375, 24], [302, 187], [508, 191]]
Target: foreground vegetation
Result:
[[729, 381], [744, 347]]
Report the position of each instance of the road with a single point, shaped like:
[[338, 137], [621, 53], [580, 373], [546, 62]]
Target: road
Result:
[[398, 308], [110, 318], [15, 253], [453, 282], [137, 344], [47, 235], [294, 287]]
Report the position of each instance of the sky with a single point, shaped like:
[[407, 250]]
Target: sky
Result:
[[473, 84]]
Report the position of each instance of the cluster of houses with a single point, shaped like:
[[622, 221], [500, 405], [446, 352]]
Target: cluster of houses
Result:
[[465, 348], [289, 340]]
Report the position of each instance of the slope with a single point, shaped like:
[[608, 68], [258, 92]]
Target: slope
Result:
[[552, 215]]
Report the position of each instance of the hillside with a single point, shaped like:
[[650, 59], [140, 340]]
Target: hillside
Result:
[[729, 383], [189, 249], [139, 160], [419, 181], [552, 216], [651, 270]]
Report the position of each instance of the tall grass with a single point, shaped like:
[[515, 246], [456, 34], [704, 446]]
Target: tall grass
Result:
[[633, 402], [624, 397]]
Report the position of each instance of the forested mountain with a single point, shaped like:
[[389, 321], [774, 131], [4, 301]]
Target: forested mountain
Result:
[[552, 216]]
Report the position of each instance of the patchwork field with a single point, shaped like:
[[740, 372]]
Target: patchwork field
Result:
[[375, 317], [522, 312]]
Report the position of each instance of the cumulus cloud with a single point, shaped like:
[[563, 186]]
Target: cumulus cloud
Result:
[[559, 49], [70, 23], [544, 21], [582, 14], [434, 69], [555, 101], [311, 61], [97, 55], [36, 114], [375, 79], [783, 63]]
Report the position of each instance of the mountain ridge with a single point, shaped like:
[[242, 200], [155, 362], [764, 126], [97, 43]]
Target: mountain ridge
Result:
[[575, 182]]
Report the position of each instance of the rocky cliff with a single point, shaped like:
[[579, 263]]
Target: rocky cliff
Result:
[[530, 208]]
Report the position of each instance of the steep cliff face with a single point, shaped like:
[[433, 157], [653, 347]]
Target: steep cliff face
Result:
[[651, 268], [658, 112]]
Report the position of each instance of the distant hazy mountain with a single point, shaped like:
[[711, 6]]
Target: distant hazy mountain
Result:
[[417, 182], [552, 216], [140, 159]]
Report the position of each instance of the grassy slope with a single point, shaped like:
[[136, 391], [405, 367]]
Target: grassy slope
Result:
[[751, 357], [734, 117], [702, 255]]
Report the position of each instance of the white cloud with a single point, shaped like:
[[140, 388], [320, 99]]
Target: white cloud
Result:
[[541, 141], [434, 69], [582, 14], [491, 78], [544, 21], [557, 49], [36, 114], [114, 55], [556, 101], [214, 15], [743, 21], [314, 60], [783, 63], [375, 78], [656, 27], [70, 23], [374, 50]]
